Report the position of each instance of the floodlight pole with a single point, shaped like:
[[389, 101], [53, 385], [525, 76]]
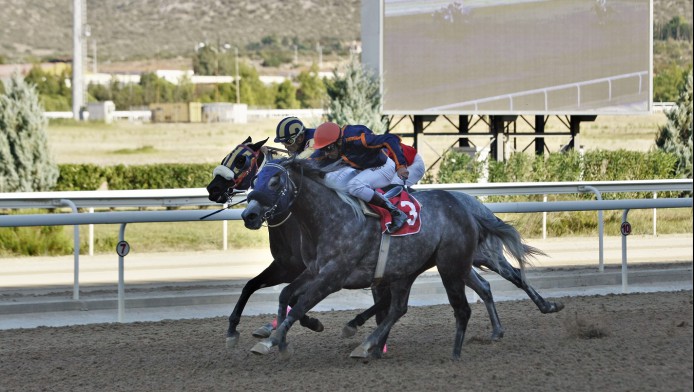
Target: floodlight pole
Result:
[[77, 81], [236, 78]]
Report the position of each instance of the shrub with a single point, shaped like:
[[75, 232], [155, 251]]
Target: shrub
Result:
[[27, 164], [675, 136]]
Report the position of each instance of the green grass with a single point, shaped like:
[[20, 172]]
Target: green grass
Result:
[[138, 150], [174, 237]]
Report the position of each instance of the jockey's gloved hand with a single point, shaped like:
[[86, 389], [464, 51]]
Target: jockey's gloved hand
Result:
[[403, 173]]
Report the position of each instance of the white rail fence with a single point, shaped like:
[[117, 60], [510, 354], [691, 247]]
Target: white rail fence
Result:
[[146, 115], [198, 197]]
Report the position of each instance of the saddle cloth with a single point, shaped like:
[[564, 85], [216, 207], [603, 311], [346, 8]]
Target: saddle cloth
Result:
[[407, 204]]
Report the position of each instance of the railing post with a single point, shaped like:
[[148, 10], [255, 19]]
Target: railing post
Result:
[[624, 255], [91, 234], [544, 219], [121, 278], [655, 232], [601, 228], [225, 230], [76, 250]]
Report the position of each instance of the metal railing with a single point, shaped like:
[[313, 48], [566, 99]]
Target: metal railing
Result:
[[196, 215]]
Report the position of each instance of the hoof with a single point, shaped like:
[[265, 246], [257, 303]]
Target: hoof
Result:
[[232, 340], [314, 325], [262, 347], [497, 335], [317, 326], [348, 331], [553, 307], [263, 332], [360, 352]]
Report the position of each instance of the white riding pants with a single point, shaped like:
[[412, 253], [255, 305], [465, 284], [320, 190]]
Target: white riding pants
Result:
[[361, 183]]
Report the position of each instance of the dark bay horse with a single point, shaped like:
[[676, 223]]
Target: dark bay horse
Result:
[[340, 248], [235, 174]]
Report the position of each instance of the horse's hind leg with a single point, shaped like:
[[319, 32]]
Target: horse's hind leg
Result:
[[374, 343], [453, 267], [455, 289], [513, 275], [482, 288]]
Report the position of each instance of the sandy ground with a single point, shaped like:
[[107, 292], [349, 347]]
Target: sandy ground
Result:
[[634, 342]]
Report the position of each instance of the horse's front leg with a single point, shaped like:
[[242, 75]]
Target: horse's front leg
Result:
[[273, 275], [316, 288], [264, 346]]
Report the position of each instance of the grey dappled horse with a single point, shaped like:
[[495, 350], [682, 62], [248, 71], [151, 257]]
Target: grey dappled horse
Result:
[[244, 161], [340, 248]]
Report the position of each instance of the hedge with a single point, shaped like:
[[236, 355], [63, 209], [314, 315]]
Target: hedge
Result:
[[82, 177], [594, 165]]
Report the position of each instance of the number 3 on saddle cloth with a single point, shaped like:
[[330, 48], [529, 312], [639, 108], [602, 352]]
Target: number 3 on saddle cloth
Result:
[[407, 204]]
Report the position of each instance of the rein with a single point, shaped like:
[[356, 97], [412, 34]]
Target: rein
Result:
[[226, 207]]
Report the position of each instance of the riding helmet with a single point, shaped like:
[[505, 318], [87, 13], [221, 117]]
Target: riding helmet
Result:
[[326, 133], [288, 128]]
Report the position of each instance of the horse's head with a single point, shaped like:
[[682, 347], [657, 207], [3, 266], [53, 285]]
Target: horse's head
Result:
[[273, 193], [236, 171]]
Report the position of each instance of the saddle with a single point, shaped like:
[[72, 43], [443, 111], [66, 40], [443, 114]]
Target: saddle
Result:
[[405, 202]]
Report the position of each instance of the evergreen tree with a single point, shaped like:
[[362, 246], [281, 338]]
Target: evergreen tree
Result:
[[676, 135], [355, 98], [25, 161]]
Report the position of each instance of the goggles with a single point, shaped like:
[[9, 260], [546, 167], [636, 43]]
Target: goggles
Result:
[[290, 141], [330, 148]]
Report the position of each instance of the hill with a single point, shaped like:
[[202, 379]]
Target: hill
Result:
[[130, 30]]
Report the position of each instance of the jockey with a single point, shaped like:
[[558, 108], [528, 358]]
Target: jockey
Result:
[[296, 138], [360, 149]]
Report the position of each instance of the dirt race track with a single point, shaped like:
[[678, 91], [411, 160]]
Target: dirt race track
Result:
[[634, 342]]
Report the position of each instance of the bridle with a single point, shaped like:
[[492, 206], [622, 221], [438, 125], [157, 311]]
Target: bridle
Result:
[[289, 189]]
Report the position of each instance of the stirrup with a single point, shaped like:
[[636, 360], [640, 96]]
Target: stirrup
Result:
[[389, 229]]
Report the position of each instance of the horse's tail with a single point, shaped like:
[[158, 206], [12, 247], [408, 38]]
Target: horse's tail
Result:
[[494, 231]]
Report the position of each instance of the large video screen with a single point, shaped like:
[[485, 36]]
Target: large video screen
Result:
[[517, 56]]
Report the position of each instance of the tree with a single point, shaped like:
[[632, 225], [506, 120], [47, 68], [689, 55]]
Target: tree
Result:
[[285, 98], [156, 89], [253, 92], [26, 163], [354, 98], [676, 135], [311, 92], [54, 93]]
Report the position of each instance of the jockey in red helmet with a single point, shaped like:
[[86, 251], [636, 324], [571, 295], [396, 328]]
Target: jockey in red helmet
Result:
[[359, 148]]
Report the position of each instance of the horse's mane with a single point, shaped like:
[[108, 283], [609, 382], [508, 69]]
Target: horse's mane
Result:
[[315, 171]]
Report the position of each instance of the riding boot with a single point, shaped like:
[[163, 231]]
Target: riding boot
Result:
[[397, 217]]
